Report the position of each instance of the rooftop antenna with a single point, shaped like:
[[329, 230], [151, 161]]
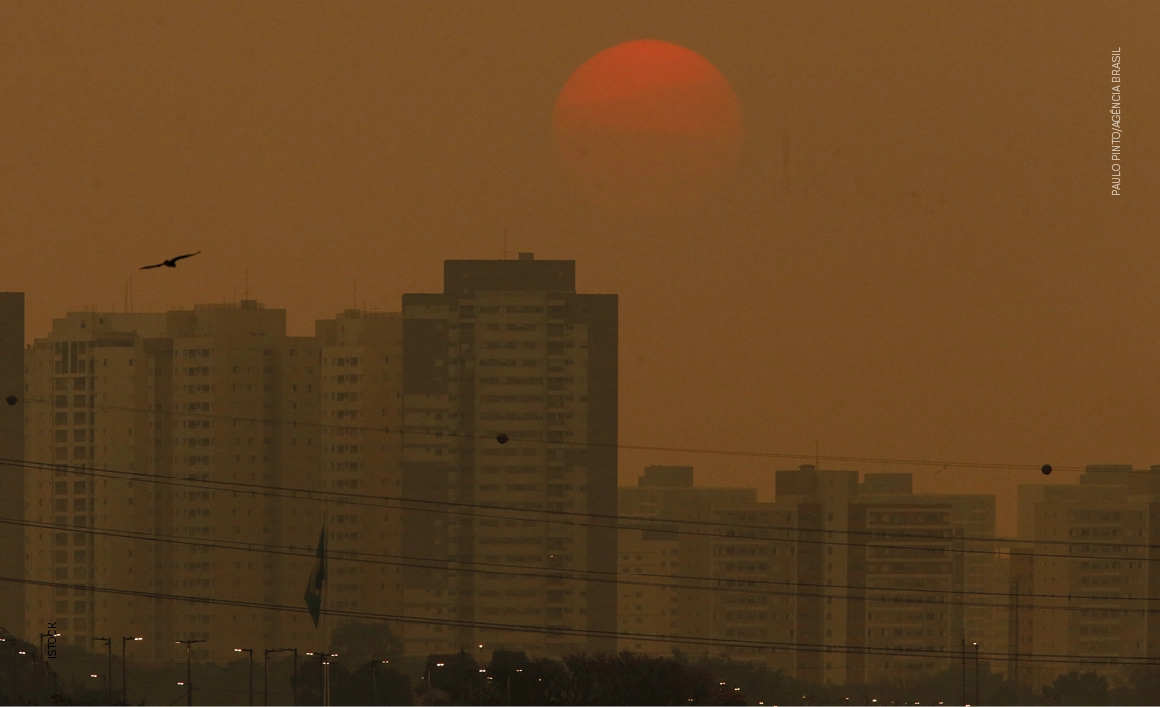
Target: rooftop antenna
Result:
[[505, 250], [247, 291], [817, 454], [355, 281]]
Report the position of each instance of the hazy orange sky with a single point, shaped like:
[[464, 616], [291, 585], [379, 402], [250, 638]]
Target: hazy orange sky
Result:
[[918, 256]]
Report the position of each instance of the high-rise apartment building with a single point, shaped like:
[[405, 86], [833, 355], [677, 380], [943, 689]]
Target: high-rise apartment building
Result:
[[1083, 581], [655, 559], [896, 561], [87, 407], [213, 394], [971, 555], [833, 564], [11, 448], [510, 348], [241, 391], [361, 413]]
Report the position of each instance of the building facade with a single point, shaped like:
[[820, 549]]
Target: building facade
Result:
[[138, 415], [838, 581], [361, 413], [1083, 576], [510, 348]]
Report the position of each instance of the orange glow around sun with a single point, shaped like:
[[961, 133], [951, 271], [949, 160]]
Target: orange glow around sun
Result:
[[647, 126]]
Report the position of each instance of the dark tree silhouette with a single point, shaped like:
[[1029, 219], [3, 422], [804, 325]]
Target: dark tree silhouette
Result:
[[358, 643], [1076, 688]]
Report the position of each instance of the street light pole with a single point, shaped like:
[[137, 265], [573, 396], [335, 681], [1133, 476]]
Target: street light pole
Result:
[[251, 652], [12, 640], [323, 674], [124, 686], [293, 678], [188, 674], [964, 657], [109, 670], [13, 667], [374, 680], [976, 673], [437, 665]]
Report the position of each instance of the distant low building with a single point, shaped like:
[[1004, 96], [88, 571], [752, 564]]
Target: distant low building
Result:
[[1086, 574], [838, 581]]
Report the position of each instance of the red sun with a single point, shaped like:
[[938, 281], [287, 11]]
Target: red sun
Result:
[[647, 126]]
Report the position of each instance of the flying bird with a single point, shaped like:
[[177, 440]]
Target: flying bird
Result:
[[171, 263]]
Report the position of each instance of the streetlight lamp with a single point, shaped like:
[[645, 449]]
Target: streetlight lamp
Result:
[[188, 683], [509, 685], [124, 688], [251, 652], [105, 676], [109, 670]]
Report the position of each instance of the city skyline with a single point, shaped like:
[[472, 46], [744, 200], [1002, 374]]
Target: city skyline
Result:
[[792, 349], [844, 577], [902, 265]]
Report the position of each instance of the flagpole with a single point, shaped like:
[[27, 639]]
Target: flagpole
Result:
[[322, 611]]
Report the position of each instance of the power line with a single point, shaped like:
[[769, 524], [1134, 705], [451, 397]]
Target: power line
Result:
[[951, 654], [878, 534], [583, 445], [650, 524], [577, 575]]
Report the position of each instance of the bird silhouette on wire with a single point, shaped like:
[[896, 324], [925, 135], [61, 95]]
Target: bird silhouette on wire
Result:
[[171, 263]]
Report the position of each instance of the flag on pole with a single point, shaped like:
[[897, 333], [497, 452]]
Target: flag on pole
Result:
[[313, 594]]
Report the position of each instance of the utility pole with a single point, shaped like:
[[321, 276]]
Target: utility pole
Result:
[[109, 670], [293, 676], [188, 674], [251, 652]]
